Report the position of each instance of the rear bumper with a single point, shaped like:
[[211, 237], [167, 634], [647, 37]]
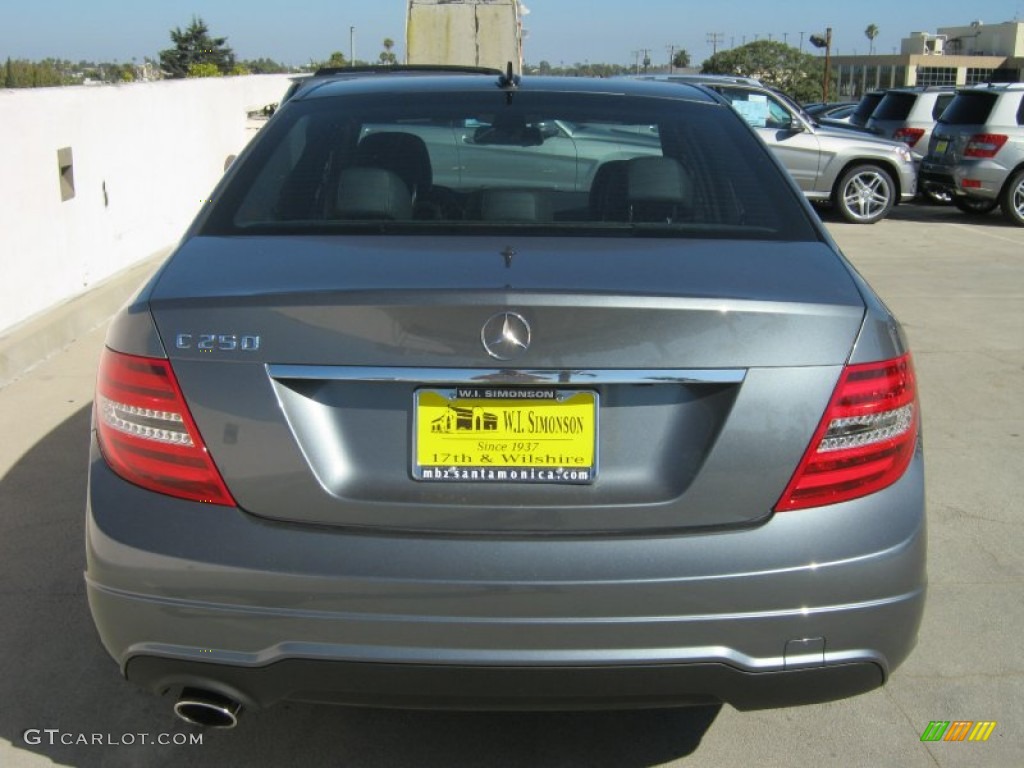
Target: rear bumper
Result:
[[810, 606], [985, 176], [454, 687]]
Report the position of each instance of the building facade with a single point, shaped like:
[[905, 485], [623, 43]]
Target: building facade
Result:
[[967, 55]]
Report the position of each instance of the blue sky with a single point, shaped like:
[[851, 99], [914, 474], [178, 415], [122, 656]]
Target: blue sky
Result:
[[560, 31]]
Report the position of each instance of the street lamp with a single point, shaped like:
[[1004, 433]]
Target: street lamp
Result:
[[819, 41]]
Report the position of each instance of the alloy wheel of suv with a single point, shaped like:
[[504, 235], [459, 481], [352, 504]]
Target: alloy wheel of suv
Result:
[[1012, 199], [865, 194]]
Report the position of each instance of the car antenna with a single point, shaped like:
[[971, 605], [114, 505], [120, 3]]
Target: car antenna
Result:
[[508, 81]]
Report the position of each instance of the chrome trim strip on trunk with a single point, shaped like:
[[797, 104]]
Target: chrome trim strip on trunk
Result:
[[454, 376]]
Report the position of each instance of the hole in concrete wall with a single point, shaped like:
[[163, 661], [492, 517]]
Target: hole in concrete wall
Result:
[[67, 173]]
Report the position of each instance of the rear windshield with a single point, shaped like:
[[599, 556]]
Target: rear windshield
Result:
[[894, 106], [545, 163], [969, 109], [865, 108]]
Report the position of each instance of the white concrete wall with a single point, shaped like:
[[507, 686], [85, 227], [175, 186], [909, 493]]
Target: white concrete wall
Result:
[[145, 157]]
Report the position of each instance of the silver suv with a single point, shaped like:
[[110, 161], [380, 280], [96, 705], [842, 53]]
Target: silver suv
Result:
[[977, 151], [909, 114], [861, 175]]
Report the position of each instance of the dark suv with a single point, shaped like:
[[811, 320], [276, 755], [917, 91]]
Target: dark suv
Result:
[[977, 151]]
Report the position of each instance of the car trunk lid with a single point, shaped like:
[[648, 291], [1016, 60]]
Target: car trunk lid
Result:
[[702, 371]]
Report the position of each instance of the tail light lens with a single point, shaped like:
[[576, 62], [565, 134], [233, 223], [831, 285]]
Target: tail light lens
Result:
[[985, 145], [866, 438], [910, 136], [146, 433]]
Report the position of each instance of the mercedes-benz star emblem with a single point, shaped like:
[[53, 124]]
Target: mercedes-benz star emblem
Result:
[[505, 335]]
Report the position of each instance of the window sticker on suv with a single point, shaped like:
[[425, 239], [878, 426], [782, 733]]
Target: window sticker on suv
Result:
[[754, 110]]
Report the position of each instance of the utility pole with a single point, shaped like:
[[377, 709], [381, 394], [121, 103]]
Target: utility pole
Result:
[[672, 57], [351, 46], [714, 40], [801, 42]]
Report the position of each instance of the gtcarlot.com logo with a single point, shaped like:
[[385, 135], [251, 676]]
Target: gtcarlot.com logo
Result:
[[56, 737], [958, 730]]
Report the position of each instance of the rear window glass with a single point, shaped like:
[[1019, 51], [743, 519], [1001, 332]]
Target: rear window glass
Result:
[[941, 103], [969, 109], [865, 108], [894, 106], [545, 163]]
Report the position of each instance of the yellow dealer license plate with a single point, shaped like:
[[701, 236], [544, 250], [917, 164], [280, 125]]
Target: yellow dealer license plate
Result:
[[505, 435]]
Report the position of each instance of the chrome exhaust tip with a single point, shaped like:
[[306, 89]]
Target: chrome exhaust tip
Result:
[[207, 709]]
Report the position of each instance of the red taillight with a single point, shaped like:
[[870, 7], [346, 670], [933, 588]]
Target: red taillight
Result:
[[866, 438], [146, 433], [985, 145], [909, 135]]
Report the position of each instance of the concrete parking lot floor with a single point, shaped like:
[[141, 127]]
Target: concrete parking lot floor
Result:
[[958, 285]]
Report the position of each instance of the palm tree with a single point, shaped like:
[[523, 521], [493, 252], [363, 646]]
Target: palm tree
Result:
[[387, 56], [871, 33]]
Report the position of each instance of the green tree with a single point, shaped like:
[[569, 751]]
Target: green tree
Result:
[[336, 61], [871, 33], [773, 63], [22, 73], [195, 46], [387, 56], [682, 59], [264, 66], [203, 69]]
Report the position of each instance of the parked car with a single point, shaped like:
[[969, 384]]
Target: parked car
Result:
[[976, 152], [834, 110], [908, 115], [862, 176], [644, 440], [858, 118]]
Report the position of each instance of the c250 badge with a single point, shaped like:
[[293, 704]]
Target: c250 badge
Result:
[[223, 342]]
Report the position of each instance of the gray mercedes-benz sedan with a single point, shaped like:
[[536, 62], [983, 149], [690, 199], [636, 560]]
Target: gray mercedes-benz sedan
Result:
[[471, 392]]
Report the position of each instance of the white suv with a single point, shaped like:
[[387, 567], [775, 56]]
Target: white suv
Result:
[[977, 151]]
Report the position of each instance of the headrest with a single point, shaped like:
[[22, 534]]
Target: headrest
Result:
[[372, 193], [514, 205], [658, 179], [402, 153]]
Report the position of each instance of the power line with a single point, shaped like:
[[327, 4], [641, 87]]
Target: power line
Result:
[[714, 40]]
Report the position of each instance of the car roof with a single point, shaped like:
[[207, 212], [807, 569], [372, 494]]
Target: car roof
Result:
[[683, 77], [994, 87], [921, 89], [308, 80], [400, 80]]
